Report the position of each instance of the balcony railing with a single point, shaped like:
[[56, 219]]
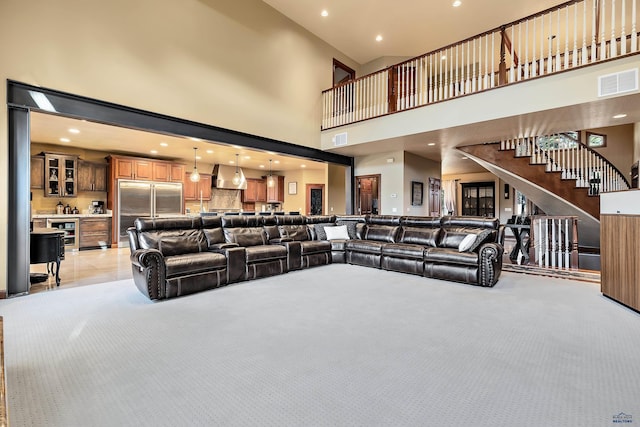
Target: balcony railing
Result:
[[574, 34]]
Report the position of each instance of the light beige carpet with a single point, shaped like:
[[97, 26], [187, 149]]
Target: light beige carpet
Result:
[[338, 345]]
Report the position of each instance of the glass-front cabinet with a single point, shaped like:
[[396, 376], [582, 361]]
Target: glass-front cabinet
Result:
[[60, 175], [478, 199]]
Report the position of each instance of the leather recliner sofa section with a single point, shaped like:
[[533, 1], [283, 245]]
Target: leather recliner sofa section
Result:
[[177, 256]]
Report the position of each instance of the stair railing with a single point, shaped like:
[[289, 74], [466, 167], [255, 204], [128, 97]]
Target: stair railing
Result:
[[554, 241], [574, 161], [571, 35]]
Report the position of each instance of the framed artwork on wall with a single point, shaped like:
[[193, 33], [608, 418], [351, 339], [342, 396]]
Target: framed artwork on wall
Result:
[[293, 187], [416, 193]]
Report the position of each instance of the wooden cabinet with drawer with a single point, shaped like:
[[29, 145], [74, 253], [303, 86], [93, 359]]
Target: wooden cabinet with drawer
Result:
[[95, 232]]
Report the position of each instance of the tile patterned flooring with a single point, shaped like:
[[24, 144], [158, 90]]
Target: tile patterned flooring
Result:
[[88, 267]]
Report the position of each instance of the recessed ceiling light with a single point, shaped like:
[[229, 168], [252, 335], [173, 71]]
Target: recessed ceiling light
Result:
[[231, 162], [65, 140], [276, 161], [198, 158], [209, 151], [154, 151], [324, 13], [261, 166], [465, 158], [303, 166], [164, 144], [457, 3], [431, 144], [378, 38], [195, 139], [247, 157], [619, 116], [74, 130]]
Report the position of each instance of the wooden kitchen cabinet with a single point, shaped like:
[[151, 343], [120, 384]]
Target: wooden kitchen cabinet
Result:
[[192, 189], [95, 232], [60, 175], [275, 194], [37, 172], [177, 172], [132, 168], [92, 176], [256, 191]]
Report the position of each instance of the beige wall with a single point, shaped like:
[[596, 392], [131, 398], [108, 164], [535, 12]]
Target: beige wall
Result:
[[336, 190], [418, 169], [392, 178], [483, 177], [619, 149], [234, 64], [297, 202]]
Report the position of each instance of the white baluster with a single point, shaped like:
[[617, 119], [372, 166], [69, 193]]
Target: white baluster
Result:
[[456, 79], [511, 69], [575, 35], [534, 64], [603, 42], [567, 247], [550, 43], [519, 68], [566, 40], [623, 34], [473, 68], [467, 87], [493, 60], [558, 65], [634, 35], [613, 42], [542, 45], [594, 50], [553, 242], [584, 32]]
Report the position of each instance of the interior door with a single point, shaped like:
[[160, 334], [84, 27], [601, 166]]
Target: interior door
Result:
[[435, 195], [315, 199], [368, 194]]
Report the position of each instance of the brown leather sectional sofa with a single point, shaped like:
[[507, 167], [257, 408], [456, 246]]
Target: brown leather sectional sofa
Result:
[[177, 256]]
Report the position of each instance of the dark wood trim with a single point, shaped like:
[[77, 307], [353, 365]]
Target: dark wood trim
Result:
[[80, 107], [346, 68], [3, 294]]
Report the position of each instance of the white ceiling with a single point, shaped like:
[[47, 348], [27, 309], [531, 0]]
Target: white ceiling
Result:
[[408, 27], [48, 129]]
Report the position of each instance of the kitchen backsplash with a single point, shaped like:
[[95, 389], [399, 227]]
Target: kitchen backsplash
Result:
[[221, 200]]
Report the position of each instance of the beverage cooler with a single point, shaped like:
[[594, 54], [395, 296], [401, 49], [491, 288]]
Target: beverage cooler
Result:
[[71, 228]]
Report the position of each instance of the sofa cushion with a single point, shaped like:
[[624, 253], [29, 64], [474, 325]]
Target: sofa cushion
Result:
[[318, 230], [381, 233], [451, 238], [294, 232], [351, 227], [483, 237], [338, 245], [180, 265], [214, 236], [467, 242], [249, 236], [339, 232], [403, 250], [265, 253], [420, 236], [365, 246], [194, 237], [450, 256], [178, 242]]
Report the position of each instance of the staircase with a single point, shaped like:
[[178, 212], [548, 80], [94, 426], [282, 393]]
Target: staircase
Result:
[[564, 178]]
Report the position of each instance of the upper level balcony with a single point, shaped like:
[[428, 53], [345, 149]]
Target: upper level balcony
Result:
[[571, 36]]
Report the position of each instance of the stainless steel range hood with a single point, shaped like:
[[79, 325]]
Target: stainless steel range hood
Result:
[[223, 177]]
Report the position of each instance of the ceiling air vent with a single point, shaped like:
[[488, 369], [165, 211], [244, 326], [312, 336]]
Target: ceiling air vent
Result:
[[614, 84], [340, 139]]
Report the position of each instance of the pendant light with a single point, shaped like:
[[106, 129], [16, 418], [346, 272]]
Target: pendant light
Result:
[[236, 176], [195, 176], [270, 182]]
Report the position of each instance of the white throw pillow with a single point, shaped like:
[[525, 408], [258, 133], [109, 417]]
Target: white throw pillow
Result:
[[467, 242], [337, 233]]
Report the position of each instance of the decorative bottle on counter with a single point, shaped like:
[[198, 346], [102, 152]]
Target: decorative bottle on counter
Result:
[[67, 209], [59, 208]]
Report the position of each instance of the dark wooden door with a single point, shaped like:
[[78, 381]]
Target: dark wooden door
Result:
[[368, 194], [315, 199]]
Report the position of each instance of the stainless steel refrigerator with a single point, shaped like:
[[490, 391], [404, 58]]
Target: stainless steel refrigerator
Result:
[[146, 199]]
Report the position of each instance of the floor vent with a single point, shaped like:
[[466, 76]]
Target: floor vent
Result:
[[340, 139], [614, 84]]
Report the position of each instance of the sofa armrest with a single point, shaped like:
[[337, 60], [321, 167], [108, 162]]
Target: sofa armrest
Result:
[[148, 269], [490, 263], [220, 247], [236, 263], [279, 240]]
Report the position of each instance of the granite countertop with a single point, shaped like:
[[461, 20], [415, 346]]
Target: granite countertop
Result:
[[40, 216]]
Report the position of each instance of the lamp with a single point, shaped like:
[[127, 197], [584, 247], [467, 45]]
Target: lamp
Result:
[[270, 182], [195, 176], [236, 176]]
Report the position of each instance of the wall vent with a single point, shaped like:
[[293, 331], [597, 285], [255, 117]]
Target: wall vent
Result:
[[340, 139], [616, 83]]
